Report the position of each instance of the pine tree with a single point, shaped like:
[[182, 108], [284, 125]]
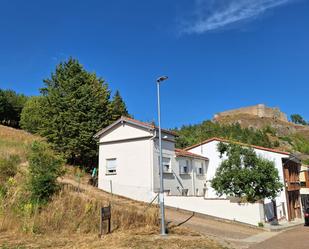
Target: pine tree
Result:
[[77, 107], [118, 107]]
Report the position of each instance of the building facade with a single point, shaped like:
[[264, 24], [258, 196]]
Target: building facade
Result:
[[129, 162], [287, 202]]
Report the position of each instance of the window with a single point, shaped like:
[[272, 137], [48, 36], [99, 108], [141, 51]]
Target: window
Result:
[[166, 162], [200, 168], [184, 166], [111, 166]]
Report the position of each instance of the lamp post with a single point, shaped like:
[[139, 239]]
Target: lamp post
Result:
[[161, 194]]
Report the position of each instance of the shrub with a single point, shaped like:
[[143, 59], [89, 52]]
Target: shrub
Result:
[[44, 169], [8, 169]]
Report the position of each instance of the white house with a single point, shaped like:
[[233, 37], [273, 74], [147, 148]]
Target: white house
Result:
[[287, 202], [129, 162], [129, 166]]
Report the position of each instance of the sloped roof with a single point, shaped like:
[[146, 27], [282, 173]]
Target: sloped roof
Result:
[[180, 153], [134, 122], [234, 142]]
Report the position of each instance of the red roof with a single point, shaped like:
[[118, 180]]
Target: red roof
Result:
[[184, 153], [243, 144]]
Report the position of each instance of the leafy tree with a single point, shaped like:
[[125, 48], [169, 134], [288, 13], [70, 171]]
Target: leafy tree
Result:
[[298, 119], [118, 107], [11, 105], [32, 114], [77, 107], [245, 175], [44, 169]]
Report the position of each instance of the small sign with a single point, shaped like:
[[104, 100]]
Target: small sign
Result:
[[105, 214]]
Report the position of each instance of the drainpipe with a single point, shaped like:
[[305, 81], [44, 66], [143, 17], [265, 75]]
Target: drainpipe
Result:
[[151, 158], [193, 176]]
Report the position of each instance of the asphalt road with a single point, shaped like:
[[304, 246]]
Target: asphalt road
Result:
[[296, 238]]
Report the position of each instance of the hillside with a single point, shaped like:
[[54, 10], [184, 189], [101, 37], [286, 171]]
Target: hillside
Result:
[[71, 218], [292, 137], [249, 129]]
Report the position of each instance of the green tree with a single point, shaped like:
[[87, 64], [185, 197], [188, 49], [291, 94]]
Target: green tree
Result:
[[298, 119], [44, 169], [193, 134], [245, 175], [32, 114], [11, 105], [77, 107], [118, 107]]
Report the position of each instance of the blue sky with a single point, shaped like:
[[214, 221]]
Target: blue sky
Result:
[[218, 54]]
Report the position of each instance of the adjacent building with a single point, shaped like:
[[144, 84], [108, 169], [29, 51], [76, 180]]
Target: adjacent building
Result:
[[288, 204]]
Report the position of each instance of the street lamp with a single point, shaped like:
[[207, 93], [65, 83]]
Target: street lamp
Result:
[[161, 194]]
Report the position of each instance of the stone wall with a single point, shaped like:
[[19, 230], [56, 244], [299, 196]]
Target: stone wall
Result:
[[259, 110]]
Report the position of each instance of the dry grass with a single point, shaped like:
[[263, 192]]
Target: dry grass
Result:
[[71, 218], [119, 240], [15, 142]]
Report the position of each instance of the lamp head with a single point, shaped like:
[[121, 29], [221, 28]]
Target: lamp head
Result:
[[162, 78]]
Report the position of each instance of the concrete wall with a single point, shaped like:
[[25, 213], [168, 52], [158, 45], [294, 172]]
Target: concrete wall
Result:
[[210, 150], [258, 110], [246, 213]]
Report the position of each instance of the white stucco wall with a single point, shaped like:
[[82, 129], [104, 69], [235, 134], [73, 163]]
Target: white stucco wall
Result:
[[124, 131], [246, 213], [210, 150], [134, 175]]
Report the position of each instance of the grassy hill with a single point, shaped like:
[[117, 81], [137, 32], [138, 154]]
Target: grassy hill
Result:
[[71, 218]]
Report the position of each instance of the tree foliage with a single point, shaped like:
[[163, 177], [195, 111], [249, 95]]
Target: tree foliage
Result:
[[44, 169], [74, 105], [118, 107], [298, 119], [32, 114], [11, 105], [245, 175], [193, 134], [77, 107]]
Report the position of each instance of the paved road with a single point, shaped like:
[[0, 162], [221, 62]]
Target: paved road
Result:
[[229, 234], [296, 238]]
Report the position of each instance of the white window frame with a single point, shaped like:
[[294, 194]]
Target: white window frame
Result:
[[182, 166], [164, 164], [202, 167], [113, 170]]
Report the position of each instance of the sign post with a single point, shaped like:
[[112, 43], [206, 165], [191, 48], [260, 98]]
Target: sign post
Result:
[[105, 214]]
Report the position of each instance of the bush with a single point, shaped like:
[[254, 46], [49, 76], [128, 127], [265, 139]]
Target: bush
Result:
[[44, 169], [8, 169], [301, 144]]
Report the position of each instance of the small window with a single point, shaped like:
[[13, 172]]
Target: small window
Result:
[[166, 164], [200, 169], [184, 166], [111, 166]]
